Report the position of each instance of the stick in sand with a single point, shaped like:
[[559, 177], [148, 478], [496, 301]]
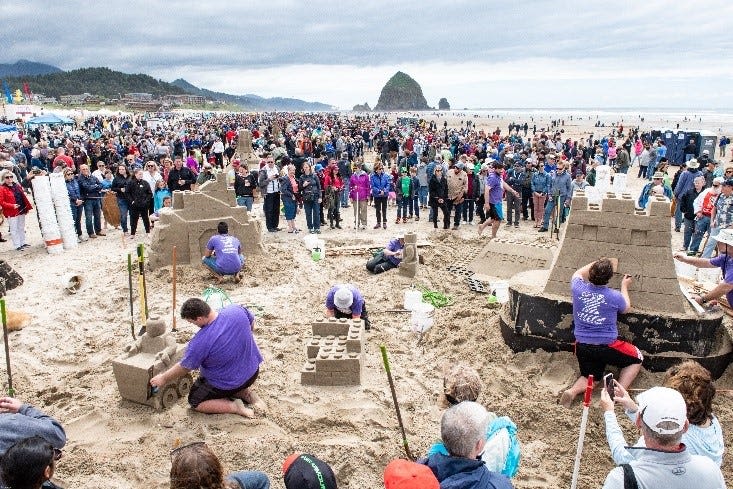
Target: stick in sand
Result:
[[173, 261], [141, 254], [396, 405], [581, 438], [11, 391], [129, 286], [141, 290]]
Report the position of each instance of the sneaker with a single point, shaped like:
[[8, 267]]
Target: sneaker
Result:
[[93, 236], [455, 228], [237, 277], [102, 234], [377, 225], [516, 224], [84, 238], [25, 246], [404, 220], [398, 221], [384, 226], [318, 231], [417, 219], [542, 230]]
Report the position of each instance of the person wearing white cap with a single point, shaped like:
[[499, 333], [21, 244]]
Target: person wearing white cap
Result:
[[724, 261], [345, 301], [664, 460]]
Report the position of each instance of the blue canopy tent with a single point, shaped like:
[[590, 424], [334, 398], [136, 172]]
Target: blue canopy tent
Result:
[[49, 120], [7, 128]]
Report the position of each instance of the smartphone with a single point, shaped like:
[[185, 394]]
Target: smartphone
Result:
[[608, 383]]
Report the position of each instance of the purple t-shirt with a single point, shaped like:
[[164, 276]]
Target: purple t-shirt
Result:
[[224, 350], [725, 263], [394, 245], [226, 248], [496, 190], [356, 306], [595, 308]]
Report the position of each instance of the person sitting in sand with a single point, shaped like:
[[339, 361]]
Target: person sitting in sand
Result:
[[502, 451], [390, 257], [224, 254], [227, 357], [345, 301], [463, 431], [195, 466], [595, 311], [167, 204]]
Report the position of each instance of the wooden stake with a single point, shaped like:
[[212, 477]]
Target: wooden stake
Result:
[[173, 261]]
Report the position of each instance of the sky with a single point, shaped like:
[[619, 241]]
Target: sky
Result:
[[476, 54]]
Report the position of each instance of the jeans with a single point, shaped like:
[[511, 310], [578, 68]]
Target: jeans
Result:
[[677, 216], [513, 204], [272, 210], [710, 246], [642, 171], [93, 216], [124, 209], [449, 205], [244, 201], [479, 204], [468, 207], [423, 195], [538, 204], [650, 170], [688, 157], [689, 229], [345, 193], [403, 203], [380, 206], [379, 264], [250, 479], [701, 227], [76, 215], [434, 214], [415, 201], [548, 211], [210, 263], [312, 214]]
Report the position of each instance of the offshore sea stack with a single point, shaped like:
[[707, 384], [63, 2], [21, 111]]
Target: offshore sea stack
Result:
[[401, 93]]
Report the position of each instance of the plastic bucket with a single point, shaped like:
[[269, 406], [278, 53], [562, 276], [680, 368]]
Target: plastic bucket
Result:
[[412, 299], [501, 291], [422, 318]]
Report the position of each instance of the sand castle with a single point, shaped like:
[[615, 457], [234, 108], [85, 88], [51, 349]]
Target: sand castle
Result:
[[408, 265], [193, 219], [154, 352], [335, 354]]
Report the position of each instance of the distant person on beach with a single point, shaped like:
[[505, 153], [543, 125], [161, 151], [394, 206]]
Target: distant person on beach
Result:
[[227, 357], [595, 310]]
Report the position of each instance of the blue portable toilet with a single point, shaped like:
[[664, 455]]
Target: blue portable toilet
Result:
[[707, 141], [678, 156]]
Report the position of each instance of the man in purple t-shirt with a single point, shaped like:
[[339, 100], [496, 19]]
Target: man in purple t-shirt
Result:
[[724, 261], [389, 258], [345, 301], [595, 309], [226, 355], [493, 196], [224, 254]]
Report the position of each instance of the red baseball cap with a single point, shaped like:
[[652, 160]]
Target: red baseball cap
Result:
[[403, 474]]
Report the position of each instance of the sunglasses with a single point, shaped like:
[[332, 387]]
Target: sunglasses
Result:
[[183, 447], [8, 177]]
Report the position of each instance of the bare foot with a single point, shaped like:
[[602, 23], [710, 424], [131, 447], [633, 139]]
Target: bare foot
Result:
[[242, 410], [480, 229], [566, 399], [250, 397]]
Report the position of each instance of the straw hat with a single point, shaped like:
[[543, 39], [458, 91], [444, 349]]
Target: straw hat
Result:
[[693, 163]]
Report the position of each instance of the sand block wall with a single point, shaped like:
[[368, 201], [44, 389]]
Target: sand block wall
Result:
[[334, 353]]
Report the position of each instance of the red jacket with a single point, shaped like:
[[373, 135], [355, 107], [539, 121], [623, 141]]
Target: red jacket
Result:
[[7, 201]]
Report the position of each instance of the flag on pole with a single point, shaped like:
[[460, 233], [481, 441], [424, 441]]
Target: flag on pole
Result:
[[27, 91], [8, 95]]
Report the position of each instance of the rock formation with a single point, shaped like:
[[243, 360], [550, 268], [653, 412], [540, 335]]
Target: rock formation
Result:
[[362, 107], [401, 93], [443, 104]]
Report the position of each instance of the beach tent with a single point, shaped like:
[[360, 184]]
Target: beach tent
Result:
[[49, 120], [7, 128]]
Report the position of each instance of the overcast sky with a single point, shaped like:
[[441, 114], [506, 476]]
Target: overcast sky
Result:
[[524, 53]]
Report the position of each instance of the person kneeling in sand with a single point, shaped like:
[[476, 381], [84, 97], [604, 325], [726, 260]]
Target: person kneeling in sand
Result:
[[390, 257], [345, 301], [224, 254], [595, 310], [226, 354]]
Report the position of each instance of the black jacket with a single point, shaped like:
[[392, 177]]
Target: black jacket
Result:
[[185, 174], [139, 194], [437, 189]]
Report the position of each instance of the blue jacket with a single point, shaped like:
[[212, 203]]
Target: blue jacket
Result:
[[684, 183], [562, 185], [380, 184], [465, 473], [89, 187], [72, 186], [541, 182]]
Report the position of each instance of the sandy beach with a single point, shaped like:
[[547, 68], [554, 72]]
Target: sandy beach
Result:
[[62, 360]]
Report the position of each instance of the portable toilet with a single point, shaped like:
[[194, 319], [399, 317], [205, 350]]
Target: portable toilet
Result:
[[707, 141]]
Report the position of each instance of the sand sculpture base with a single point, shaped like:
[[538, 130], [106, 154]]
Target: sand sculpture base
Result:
[[194, 219], [335, 353]]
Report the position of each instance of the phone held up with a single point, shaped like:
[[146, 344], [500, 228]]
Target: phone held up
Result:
[[608, 384]]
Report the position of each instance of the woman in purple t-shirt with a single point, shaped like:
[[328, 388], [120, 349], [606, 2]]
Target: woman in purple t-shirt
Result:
[[595, 309]]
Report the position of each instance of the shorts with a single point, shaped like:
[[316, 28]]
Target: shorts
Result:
[[592, 359], [202, 391], [496, 212]]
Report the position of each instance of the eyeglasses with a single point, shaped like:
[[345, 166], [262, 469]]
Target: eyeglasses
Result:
[[57, 454], [8, 177], [728, 171], [716, 185], [190, 445]]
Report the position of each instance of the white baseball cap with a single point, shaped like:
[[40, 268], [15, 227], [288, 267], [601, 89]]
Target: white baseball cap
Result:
[[660, 404], [343, 298]]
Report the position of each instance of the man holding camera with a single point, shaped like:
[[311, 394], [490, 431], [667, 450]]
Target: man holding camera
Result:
[[595, 310]]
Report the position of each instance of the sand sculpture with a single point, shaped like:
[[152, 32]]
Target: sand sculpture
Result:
[[335, 354], [152, 353], [193, 219], [505, 257], [661, 322], [408, 265], [244, 147]]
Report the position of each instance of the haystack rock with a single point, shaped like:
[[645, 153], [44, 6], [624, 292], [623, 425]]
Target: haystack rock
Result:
[[443, 104], [362, 107], [401, 93]]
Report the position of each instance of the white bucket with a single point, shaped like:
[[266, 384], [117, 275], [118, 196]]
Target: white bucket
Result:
[[685, 270], [412, 299], [422, 318], [501, 291], [71, 282], [310, 240]]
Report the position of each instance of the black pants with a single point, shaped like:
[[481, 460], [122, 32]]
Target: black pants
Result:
[[272, 210], [367, 324], [468, 206], [334, 213], [448, 207], [135, 214], [379, 263], [527, 205], [434, 213], [380, 205], [480, 208]]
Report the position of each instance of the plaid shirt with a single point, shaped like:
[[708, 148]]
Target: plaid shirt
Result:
[[723, 211]]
